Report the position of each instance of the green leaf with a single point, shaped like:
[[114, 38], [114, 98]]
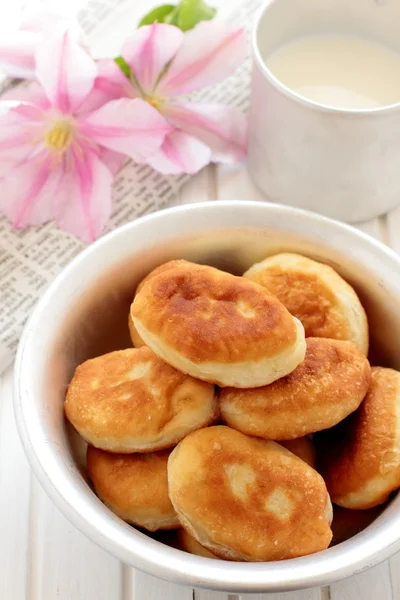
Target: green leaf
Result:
[[192, 12], [184, 15], [160, 14], [123, 65], [173, 17]]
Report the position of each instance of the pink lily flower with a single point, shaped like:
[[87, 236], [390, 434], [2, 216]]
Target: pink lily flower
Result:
[[55, 157], [166, 65], [17, 51], [18, 47]]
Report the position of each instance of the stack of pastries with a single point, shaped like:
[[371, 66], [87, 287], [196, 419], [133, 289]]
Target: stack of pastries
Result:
[[207, 425]]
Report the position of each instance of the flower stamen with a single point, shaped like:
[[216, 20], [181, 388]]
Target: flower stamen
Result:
[[155, 101], [60, 136]]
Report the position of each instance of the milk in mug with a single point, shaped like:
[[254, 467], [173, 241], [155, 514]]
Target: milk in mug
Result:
[[340, 71]]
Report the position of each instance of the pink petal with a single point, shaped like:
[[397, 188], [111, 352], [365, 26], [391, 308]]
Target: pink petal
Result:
[[111, 81], [95, 100], [22, 113], [83, 204], [222, 128], [15, 151], [112, 160], [64, 69], [32, 93], [132, 127], [208, 54], [19, 119], [180, 153], [27, 195], [149, 49], [20, 127], [17, 54]]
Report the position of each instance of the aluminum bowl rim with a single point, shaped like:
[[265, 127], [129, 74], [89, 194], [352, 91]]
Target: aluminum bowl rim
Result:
[[133, 548]]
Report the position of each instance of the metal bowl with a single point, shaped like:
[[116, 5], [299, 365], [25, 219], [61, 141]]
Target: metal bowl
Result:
[[84, 314]]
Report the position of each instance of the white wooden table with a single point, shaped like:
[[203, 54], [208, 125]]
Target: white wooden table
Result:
[[43, 557]]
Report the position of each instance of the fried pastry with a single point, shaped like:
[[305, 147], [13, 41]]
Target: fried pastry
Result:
[[363, 467], [217, 327], [243, 498], [329, 385], [135, 337], [188, 543], [134, 487], [303, 448], [131, 401], [314, 293]]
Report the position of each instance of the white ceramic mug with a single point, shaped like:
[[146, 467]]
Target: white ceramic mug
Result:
[[341, 163]]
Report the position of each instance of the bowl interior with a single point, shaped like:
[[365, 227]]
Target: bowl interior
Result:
[[98, 322], [98, 318], [85, 314]]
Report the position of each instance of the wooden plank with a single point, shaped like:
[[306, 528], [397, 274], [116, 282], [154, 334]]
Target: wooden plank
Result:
[[151, 588], [393, 229], [394, 572], [312, 594], [14, 501], [233, 183], [128, 583], [372, 228], [373, 584], [197, 189], [64, 563], [209, 595]]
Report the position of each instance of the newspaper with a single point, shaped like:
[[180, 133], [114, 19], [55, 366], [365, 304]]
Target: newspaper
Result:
[[29, 260]]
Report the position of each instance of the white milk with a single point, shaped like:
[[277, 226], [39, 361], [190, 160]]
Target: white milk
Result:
[[340, 71]]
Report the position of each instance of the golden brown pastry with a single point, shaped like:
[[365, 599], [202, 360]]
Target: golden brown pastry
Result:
[[244, 498], [135, 337], [134, 487], [314, 293], [217, 327], [303, 448], [329, 385], [188, 543], [363, 467], [131, 401]]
